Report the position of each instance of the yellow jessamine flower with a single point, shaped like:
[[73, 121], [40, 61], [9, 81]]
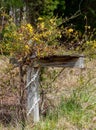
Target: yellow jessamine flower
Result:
[[26, 47], [42, 25], [40, 18], [70, 30], [29, 27], [51, 20]]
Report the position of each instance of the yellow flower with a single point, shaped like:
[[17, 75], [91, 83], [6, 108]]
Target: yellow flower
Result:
[[29, 27], [40, 18], [51, 20], [42, 25], [70, 30], [36, 38], [26, 47]]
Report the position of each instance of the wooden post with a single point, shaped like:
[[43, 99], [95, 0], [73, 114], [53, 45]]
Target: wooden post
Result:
[[33, 94], [33, 78]]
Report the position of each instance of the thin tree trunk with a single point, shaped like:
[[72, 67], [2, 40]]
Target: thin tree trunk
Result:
[[22, 99]]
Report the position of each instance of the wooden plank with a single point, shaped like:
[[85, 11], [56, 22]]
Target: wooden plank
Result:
[[62, 61], [53, 61]]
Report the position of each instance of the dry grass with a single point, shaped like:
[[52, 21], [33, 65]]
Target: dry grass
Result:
[[73, 94]]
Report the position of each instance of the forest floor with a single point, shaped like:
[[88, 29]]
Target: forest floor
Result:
[[71, 98]]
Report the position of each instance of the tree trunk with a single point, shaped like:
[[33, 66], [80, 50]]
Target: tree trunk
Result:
[[22, 98]]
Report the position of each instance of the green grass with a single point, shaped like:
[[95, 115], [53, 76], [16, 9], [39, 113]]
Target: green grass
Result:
[[76, 112], [79, 110]]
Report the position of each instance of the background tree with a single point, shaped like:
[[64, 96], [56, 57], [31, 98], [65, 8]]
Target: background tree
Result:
[[86, 8]]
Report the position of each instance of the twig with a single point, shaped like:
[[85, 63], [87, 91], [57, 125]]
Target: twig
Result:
[[78, 13], [49, 85], [56, 77]]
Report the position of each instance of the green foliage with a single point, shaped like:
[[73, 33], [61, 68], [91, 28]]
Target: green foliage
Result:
[[49, 7], [43, 8], [53, 8], [11, 3], [25, 39]]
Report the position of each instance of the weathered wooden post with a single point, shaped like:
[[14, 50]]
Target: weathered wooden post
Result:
[[33, 78], [32, 91]]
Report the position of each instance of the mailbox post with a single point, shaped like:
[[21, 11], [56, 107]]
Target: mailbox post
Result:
[[33, 78]]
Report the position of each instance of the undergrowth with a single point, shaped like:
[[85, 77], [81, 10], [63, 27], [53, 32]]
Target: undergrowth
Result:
[[78, 112], [75, 112]]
